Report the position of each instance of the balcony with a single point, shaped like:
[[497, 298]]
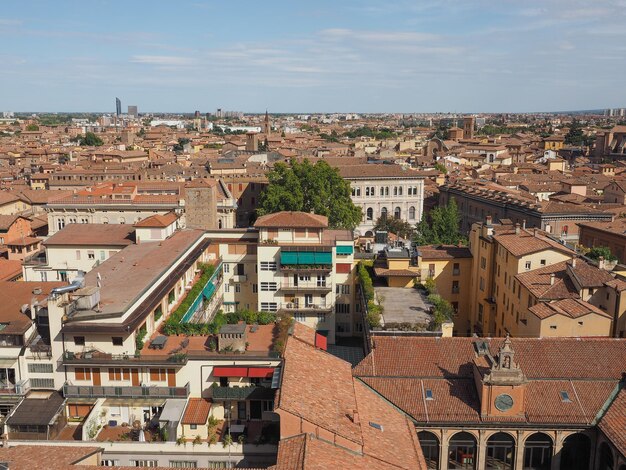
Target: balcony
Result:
[[307, 268], [97, 357], [305, 307], [238, 278], [291, 287], [20, 388], [79, 391]]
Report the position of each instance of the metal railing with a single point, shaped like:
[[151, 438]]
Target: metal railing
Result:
[[105, 358], [297, 306], [94, 391]]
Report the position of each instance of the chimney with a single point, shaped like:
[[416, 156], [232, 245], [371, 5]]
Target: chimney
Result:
[[524, 224], [601, 262], [534, 231], [573, 262], [516, 229], [488, 220], [551, 279]]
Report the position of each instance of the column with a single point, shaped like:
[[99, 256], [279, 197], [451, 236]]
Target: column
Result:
[[482, 450], [519, 451], [557, 449], [443, 450]]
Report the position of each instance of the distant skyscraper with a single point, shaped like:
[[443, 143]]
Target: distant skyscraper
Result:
[[118, 107], [132, 111]]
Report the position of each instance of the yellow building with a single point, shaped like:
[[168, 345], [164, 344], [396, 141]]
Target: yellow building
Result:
[[450, 267], [553, 142], [396, 266]]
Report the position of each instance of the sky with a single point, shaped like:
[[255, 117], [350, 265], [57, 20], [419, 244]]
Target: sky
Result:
[[412, 56]]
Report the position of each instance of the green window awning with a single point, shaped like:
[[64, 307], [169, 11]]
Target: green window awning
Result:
[[345, 249], [288, 257], [323, 258], [306, 257]]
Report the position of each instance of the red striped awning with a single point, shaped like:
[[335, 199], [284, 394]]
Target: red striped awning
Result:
[[263, 372], [230, 372]]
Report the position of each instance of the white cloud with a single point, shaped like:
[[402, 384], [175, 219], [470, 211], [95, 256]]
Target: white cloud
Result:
[[164, 60]]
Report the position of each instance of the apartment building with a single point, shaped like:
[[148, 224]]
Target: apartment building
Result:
[[385, 191], [306, 270]]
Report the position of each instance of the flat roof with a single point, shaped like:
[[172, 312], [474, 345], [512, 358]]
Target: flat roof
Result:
[[126, 275], [404, 305], [37, 409], [93, 235]]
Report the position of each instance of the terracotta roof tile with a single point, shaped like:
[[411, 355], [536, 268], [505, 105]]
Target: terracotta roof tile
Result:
[[613, 423], [197, 411], [289, 219]]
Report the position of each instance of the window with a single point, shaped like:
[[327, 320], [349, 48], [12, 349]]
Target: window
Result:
[[342, 289], [79, 340], [429, 394], [237, 288], [370, 213], [118, 374], [455, 287], [91, 254], [239, 269], [411, 213], [456, 269], [255, 288], [143, 463], [102, 255], [41, 383], [480, 313], [565, 396], [82, 373], [156, 375], [117, 341], [383, 212], [397, 213], [483, 262], [321, 317], [40, 368], [299, 317], [226, 287], [321, 281], [342, 308], [528, 265], [268, 266], [78, 254], [184, 463], [110, 463], [171, 297], [269, 286], [482, 284], [226, 267], [269, 306], [542, 262]]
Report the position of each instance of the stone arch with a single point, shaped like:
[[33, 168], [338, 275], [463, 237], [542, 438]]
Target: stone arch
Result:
[[500, 451], [462, 451], [576, 452], [606, 459], [538, 449], [429, 442]]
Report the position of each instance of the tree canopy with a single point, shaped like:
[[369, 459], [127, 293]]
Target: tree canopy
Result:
[[397, 226], [575, 134], [440, 226], [310, 188], [90, 140], [32, 127]]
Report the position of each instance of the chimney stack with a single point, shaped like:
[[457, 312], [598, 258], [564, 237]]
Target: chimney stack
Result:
[[551, 279], [516, 229], [355, 417], [524, 224], [488, 220], [601, 262], [573, 262]]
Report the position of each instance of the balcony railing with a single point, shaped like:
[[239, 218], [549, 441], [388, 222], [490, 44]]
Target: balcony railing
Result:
[[79, 391], [304, 307], [20, 388], [207, 292], [97, 357], [304, 287], [317, 268]]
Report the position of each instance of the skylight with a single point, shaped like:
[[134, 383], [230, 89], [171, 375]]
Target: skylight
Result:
[[565, 396], [429, 394], [376, 426]]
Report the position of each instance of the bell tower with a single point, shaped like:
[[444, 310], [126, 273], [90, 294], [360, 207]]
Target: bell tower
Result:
[[267, 128], [503, 383]]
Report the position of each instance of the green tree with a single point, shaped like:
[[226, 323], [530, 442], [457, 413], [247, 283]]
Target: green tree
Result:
[[601, 251], [440, 226], [91, 140], [32, 127], [310, 188], [575, 134], [397, 226], [180, 146]]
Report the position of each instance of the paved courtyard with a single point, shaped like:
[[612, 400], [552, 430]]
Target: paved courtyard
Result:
[[404, 305]]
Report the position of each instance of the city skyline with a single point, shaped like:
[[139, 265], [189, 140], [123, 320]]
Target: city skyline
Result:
[[478, 56]]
